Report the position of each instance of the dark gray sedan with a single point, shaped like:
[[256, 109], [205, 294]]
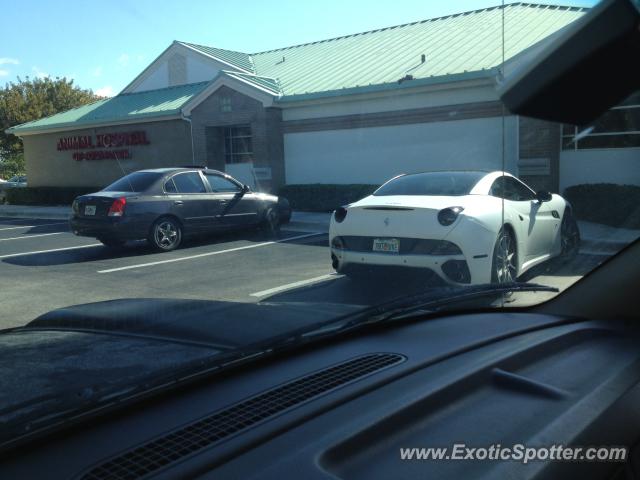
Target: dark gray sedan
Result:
[[165, 205]]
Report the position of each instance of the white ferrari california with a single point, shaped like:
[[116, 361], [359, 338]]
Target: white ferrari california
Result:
[[468, 227]]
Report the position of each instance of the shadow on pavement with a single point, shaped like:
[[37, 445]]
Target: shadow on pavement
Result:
[[577, 267], [375, 288]]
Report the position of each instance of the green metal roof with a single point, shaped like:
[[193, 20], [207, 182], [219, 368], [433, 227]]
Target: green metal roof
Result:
[[266, 83], [126, 106], [455, 47], [236, 59], [455, 44]]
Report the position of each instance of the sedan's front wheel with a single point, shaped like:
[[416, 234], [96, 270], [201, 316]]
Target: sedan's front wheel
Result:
[[165, 235], [271, 221]]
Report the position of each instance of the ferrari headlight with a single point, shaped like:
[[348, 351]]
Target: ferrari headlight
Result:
[[448, 215]]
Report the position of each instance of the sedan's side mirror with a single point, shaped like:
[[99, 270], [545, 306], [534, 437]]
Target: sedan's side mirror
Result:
[[543, 196], [245, 189]]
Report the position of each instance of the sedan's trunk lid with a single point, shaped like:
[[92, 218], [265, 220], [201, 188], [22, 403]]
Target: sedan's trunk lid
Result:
[[97, 204]]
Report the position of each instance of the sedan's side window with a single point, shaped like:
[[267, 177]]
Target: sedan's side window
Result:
[[189, 182], [170, 187], [221, 184]]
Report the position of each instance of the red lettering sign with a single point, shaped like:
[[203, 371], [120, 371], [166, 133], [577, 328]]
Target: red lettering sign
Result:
[[103, 140]]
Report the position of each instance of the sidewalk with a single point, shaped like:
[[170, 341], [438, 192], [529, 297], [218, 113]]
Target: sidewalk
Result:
[[595, 237], [61, 212], [603, 238], [304, 221]]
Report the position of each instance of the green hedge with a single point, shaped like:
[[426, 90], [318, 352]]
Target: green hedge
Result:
[[46, 195], [606, 203], [320, 197]]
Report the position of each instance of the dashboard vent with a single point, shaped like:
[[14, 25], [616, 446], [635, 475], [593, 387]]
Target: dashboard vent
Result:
[[161, 452]]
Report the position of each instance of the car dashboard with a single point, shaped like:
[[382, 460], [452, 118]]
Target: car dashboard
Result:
[[345, 408]]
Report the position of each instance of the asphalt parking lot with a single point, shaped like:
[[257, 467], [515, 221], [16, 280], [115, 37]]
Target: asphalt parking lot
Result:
[[43, 266]]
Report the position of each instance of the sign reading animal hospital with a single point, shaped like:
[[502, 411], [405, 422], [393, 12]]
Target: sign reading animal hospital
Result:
[[86, 147]]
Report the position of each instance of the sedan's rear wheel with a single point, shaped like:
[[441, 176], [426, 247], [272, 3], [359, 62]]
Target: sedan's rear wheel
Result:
[[504, 267], [165, 235]]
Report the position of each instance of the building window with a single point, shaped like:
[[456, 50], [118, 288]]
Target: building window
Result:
[[225, 104], [618, 128], [237, 144]]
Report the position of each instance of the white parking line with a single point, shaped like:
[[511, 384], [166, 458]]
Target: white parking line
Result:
[[34, 226], [218, 252], [31, 236], [50, 251], [289, 286]]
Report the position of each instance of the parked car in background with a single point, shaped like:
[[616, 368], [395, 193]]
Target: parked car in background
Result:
[[165, 205], [17, 181], [453, 223]]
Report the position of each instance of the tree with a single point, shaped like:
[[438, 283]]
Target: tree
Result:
[[10, 165], [32, 99]]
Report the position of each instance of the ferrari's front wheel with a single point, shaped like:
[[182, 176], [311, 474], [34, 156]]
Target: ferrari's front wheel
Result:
[[504, 267], [569, 236]]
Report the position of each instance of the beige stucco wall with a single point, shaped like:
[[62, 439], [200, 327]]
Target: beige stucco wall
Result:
[[169, 146]]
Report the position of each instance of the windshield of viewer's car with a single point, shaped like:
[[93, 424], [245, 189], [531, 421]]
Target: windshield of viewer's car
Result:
[[381, 163]]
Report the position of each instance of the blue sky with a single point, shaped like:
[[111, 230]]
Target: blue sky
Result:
[[104, 45]]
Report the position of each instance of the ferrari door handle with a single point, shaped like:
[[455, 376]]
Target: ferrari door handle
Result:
[[178, 202]]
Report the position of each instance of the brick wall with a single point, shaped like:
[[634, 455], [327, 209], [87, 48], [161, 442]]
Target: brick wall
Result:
[[209, 118], [540, 140]]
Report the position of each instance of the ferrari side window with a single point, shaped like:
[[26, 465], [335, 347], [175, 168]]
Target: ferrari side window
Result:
[[517, 191], [498, 188], [511, 189], [524, 193]]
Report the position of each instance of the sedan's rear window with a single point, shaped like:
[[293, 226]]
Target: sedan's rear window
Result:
[[134, 182], [432, 183]]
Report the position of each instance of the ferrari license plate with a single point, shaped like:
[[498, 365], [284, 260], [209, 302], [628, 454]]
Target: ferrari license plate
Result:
[[387, 245], [90, 210]]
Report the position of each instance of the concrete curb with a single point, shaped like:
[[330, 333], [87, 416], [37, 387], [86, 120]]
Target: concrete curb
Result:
[[44, 213]]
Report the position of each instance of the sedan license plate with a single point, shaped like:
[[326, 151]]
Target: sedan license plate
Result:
[[387, 245], [90, 210]]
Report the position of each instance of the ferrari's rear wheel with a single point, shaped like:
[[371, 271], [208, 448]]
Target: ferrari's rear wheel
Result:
[[504, 267], [569, 236]]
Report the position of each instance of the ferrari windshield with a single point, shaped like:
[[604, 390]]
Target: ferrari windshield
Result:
[[431, 183]]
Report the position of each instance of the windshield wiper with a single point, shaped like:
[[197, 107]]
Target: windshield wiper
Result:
[[423, 303]]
